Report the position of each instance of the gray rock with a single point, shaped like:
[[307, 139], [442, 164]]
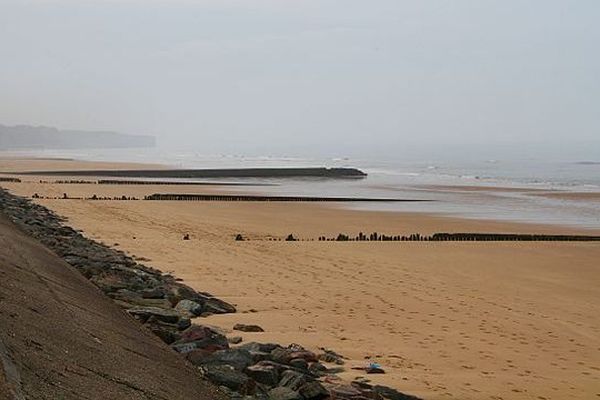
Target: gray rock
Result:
[[299, 363], [260, 347], [236, 396], [345, 392], [216, 306], [144, 313], [201, 337], [293, 379], [238, 359], [281, 355], [135, 299], [392, 394], [265, 374], [260, 351], [317, 369], [284, 393], [285, 355], [330, 356], [156, 293], [189, 308], [167, 335], [314, 391], [184, 323], [280, 367], [198, 332], [224, 375], [235, 339]]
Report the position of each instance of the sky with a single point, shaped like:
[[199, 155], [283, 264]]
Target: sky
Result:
[[333, 77]]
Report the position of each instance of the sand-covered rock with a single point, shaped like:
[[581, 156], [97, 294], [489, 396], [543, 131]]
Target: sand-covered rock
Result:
[[247, 328]]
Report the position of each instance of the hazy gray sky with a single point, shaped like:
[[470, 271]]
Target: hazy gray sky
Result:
[[295, 76]]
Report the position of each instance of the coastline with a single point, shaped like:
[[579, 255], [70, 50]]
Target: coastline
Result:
[[337, 295]]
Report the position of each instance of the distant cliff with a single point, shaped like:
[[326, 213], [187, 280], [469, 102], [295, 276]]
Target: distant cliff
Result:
[[23, 137]]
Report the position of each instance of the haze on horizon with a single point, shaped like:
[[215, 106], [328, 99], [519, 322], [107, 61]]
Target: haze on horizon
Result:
[[327, 77]]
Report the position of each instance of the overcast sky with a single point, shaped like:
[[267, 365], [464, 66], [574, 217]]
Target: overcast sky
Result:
[[293, 76]]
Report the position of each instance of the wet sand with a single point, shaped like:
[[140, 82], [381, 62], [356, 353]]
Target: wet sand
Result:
[[446, 320], [577, 196], [550, 194]]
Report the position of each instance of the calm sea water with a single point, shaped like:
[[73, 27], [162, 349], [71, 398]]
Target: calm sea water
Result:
[[433, 180]]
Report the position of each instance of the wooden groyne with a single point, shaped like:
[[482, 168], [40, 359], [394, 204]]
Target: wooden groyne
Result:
[[226, 197], [460, 237], [10, 180], [496, 237], [174, 183], [142, 183], [215, 173]]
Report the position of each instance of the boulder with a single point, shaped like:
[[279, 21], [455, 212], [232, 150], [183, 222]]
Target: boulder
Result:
[[260, 347], [224, 375], [238, 359], [260, 351], [111, 281], [175, 292], [160, 303], [305, 355], [144, 313], [346, 392], [281, 355], [184, 323], [285, 355], [392, 394], [196, 356], [189, 308], [199, 332], [180, 325], [317, 369], [284, 393], [201, 337], [299, 363], [265, 374], [167, 335], [330, 356], [216, 306], [156, 293], [293, 379], [314, 391], [280, 367], [235, 339]]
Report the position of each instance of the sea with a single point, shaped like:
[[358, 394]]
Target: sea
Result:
[[498, 189]]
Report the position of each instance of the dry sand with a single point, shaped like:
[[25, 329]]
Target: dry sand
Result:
[[513, 320]]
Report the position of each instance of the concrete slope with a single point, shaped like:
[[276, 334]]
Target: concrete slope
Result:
[[61, 338]]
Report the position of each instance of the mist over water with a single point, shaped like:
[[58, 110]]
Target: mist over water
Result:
[[390, 80], [415, 93]]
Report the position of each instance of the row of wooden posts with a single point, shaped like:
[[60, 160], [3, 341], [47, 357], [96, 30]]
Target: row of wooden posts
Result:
[[446, 237], [94, 197]]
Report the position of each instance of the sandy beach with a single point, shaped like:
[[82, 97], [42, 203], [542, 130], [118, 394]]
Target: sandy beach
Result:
[[493, 320]]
